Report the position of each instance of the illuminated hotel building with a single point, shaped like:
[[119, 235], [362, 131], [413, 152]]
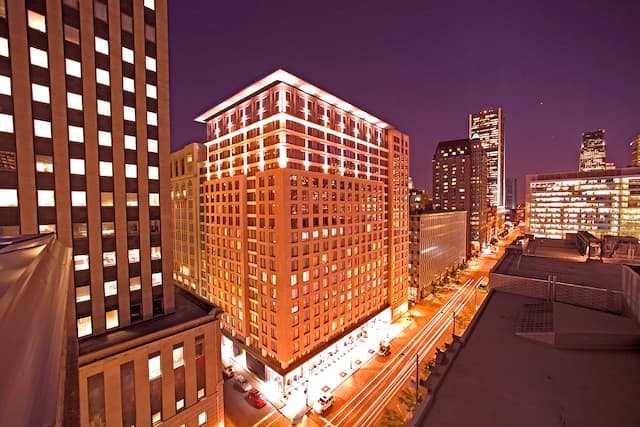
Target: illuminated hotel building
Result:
[[459, 184], [185, 199], [635, 151], [488, 126], [593, 151], [84, 143], [305, 209], [602, 202]]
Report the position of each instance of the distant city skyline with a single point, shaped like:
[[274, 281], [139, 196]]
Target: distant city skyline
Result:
[[427, 73]]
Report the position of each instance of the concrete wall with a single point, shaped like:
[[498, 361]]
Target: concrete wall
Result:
[[631, 292]]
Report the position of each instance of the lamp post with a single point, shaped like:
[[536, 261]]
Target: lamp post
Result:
[[306, 391], [417, 374], [454, 322]]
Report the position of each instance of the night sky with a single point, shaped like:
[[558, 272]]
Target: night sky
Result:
[[557, 68]]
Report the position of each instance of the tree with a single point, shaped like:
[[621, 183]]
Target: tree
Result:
[[392, 418], [409, 399]]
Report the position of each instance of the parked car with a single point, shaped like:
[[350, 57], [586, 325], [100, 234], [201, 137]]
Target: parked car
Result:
[[324, 403], [257, 398], [243, 383], [227, 372], [384, 349], [483, 288]]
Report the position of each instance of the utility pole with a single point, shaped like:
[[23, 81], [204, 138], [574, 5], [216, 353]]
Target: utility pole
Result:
[[454, 322]]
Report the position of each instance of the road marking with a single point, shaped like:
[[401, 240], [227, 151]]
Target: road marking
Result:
[[265, 417]]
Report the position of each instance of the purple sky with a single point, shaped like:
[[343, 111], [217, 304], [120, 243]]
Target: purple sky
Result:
[[556, 67]]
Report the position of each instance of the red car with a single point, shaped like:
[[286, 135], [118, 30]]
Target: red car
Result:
[[257, 398]]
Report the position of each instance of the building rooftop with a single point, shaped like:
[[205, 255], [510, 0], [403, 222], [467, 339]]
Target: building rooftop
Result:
[[499, 378], [283, 76], [584, 174], [190, 311], [590, 273]]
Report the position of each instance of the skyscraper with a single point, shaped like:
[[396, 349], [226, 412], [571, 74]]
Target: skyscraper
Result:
[[510, 193], [460, 182], [488, 126], [635, 151], [593, 151], [306, 222], [84, 132]]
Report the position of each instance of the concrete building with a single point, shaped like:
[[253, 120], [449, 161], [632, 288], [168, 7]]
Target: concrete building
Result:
[[593, 151], [598, 201], [305, 222], [635, 151], [559, 336], [488, 126], [459, 183], [419, 200], [84, 143], [39, 361], [510, 193], [437, 245], [187, 235]]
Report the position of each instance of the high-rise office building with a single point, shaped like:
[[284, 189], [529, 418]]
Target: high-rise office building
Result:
[[84, 135], [187, 236], [419, 200], [510, 193], [488, 126], [602, 202], [593, 151], [460, 182], [635, 151], [305, 215]]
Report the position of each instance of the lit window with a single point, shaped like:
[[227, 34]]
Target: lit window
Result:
[[40, 93], [44, 163], [106, 169], [46, 198], [151, 4], [47, 228], [153, 172], [129, 113], [134, 283], [38, 57], [84, 326], [128, 85], [108, 229], [79, 230], [5, 85], [8, 197], [150, 63], [74, 101], [130, 171], [178, 357], [42, 128], [110, 288], [81, 262], [152, 145], [83, 293], [76, 166], [130, 142], [152, 118], [6, 123], [156, 418], [112, 319], [156, 279], [74, 68], [106, 198], [132, 199], [202, 418], [127, 55], [134, 255], [154, 199], [152, 92], [104, 107], [154, 367], [4, 47], [155, 252], [108, 259], [36, 21], [78, 198], [102, 46], [104, 138], [76, 134], [102, 77]]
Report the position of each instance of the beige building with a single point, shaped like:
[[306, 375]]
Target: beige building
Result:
[[488, 126], [306, 220], [635, 151], [84, 143], [185, 199]]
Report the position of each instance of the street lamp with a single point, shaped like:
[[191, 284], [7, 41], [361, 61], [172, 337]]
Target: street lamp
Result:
[[417, 374], [306, 391]]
